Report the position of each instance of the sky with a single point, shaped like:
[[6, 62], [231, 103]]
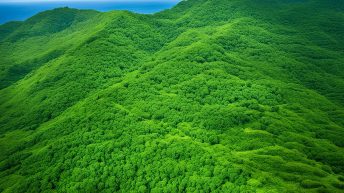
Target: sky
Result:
[[19, 10], [44, 1]]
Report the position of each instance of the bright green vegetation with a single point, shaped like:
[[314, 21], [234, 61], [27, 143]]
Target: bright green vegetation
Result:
[[210, 96]]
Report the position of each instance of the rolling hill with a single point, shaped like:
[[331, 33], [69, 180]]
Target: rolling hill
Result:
[[209, 96]]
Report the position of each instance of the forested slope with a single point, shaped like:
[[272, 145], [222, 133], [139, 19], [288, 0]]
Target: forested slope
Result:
[[209, 96]]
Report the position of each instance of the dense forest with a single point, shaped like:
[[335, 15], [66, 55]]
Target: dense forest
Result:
[[209, 96]]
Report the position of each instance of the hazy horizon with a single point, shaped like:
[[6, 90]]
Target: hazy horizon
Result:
[[14, 10], [88, 1]]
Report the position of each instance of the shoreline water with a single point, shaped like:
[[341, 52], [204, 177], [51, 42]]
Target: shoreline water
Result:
[[20, 11]]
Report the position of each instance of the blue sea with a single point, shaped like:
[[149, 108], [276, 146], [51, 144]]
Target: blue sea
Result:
[[19, 11]]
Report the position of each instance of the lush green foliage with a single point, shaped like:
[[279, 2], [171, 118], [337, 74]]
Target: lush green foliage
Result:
[[210, 96]]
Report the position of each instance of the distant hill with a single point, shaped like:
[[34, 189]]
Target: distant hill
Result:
[[11, 10], [209, 96]]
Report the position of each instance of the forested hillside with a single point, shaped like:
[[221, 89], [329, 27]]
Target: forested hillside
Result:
[[209, 96]]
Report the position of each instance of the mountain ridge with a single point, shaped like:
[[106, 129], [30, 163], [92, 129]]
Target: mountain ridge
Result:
[[178, 101]]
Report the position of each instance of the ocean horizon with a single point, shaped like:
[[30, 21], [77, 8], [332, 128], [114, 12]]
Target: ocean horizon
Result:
[[20, 11]]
